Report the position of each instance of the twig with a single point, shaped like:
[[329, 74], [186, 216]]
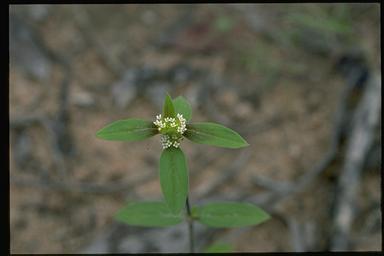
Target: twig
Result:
[[59, 128], [296, 235], [282, 191], [225, 175], [82, 187], [25, 121]]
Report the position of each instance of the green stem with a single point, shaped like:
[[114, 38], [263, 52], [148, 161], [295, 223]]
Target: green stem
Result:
[[190, 227]]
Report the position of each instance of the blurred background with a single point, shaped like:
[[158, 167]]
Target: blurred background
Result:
[[300, 82]]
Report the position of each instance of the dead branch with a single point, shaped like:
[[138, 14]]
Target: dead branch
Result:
[[61, 139], [282, 191], [82, 187], [365, 120], [297, 236], [26, 121]]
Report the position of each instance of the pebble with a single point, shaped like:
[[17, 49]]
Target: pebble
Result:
[[124, 91], [83, 99]]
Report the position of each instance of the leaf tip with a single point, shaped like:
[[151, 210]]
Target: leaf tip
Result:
[[168, 108], [99, 134], [242, 145], [265, 216], [168, 97], [244, 142]]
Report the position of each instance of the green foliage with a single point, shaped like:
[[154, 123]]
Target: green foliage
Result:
[[128, 130], [229, 214], [215, 135], [174, 178], [148, 214], [182, 106], [168, 108], [219, 248]]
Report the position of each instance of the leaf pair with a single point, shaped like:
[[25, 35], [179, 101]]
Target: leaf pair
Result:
[[217, 215], [202, 133]]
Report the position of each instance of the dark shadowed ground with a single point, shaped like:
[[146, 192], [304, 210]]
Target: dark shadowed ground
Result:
[[297, 81]]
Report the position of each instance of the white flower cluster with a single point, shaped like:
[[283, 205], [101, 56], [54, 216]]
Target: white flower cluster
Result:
[[171, 129], [167, 141], [171, 122], [182, 127]]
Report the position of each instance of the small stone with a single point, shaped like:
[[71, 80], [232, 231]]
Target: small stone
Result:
[[83, 99], [243, 110], [124, 91]]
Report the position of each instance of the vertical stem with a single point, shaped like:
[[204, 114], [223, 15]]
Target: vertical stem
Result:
[[190, 227]]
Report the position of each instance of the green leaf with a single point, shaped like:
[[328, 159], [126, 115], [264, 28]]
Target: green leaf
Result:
[[215, 135], [148, 214], [230, 214], [219, 248], [182, 106], [168, 108], [174, 178], [129, 129]]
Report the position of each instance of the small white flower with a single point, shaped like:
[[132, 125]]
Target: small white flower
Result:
[[172, 130]]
